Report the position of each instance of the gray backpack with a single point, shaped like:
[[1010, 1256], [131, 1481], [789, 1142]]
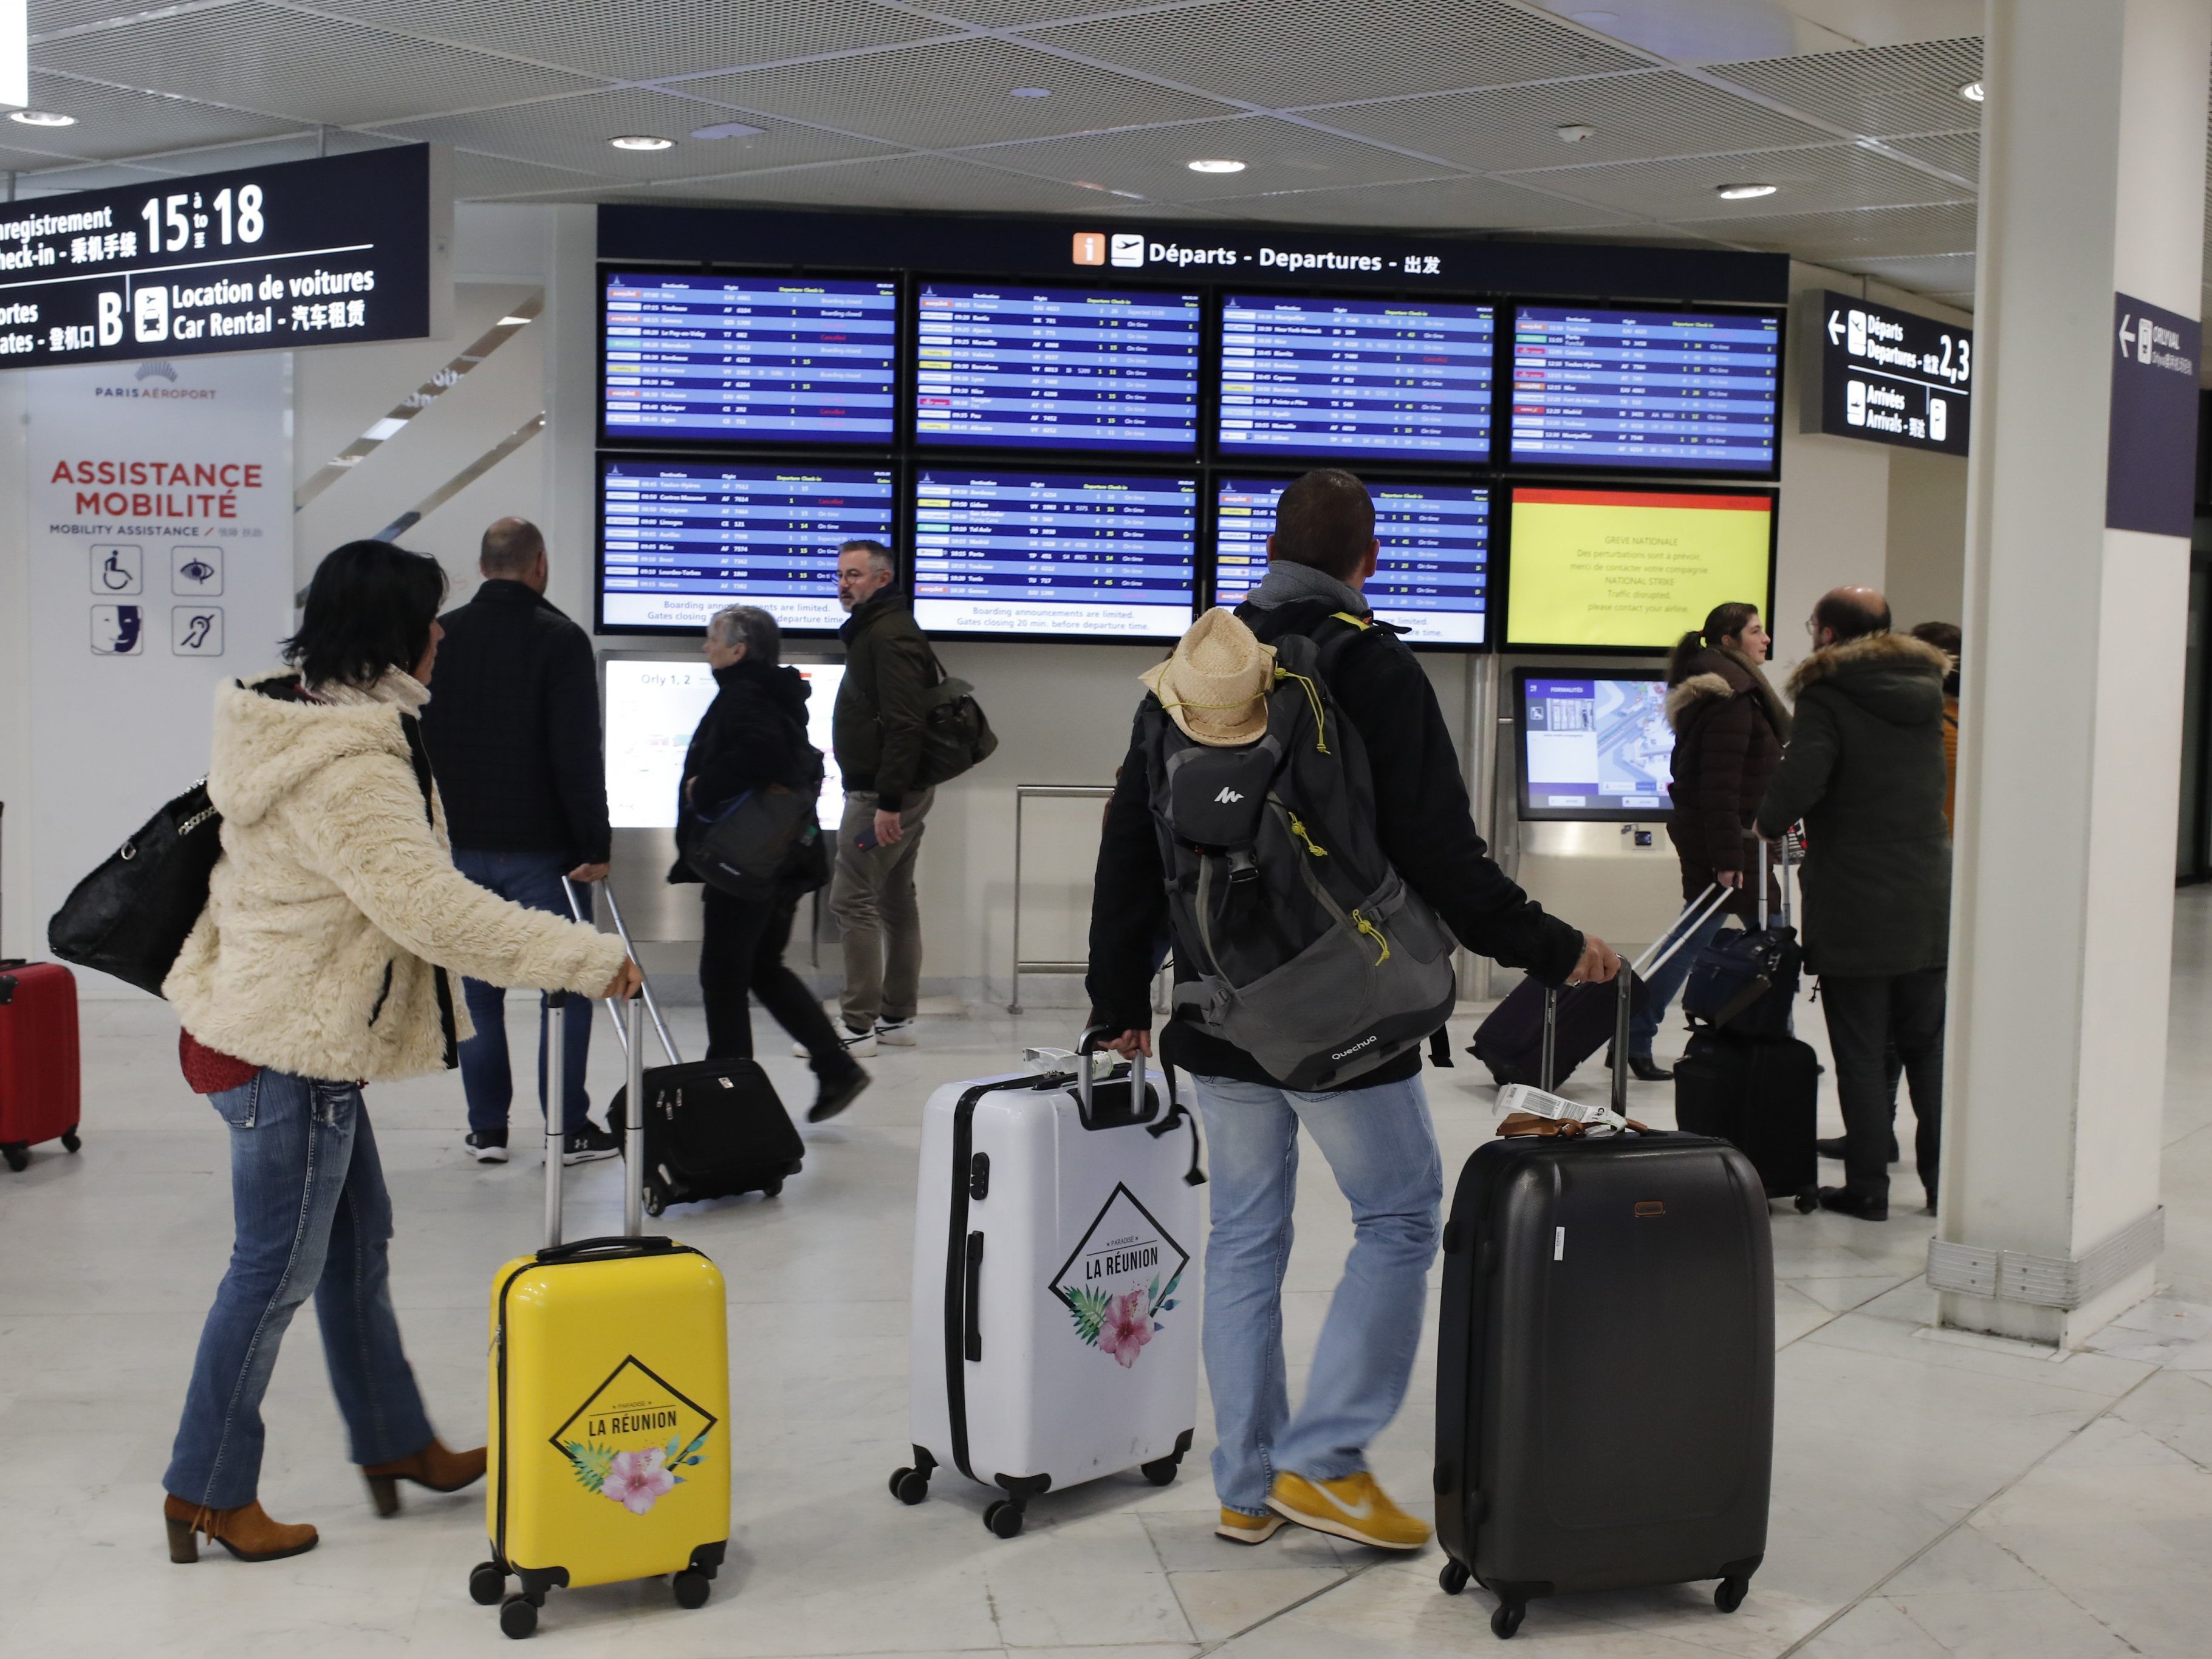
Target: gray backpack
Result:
[[1310, 954]]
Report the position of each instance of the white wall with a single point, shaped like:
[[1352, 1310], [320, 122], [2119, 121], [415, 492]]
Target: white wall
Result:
[[1927, 537]]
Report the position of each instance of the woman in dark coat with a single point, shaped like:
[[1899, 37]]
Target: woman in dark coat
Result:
[[753, 735], [1730, 727]]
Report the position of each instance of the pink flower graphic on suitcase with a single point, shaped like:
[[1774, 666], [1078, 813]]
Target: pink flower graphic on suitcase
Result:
[[1128, 1326], [637, 1480]]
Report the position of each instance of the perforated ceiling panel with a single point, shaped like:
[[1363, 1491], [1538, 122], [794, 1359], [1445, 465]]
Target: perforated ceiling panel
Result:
[[1635, 117], [1867, 234], [572, 132], [1874, 91], [1450, 204], [1015, 14], [646, 40], [1281, 53], [1954, 152], [112, 122], [1152, 160], [312, 69], [945, 96], [904, 181], [1822, 177], [1938, 273]]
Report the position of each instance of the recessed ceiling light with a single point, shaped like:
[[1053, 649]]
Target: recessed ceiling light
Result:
[[1574, 132], [1215, 167], [512, 321], [641, 141], [42, 118], [728, 129], [1972, 91], [1030, 92], [1743, 193]]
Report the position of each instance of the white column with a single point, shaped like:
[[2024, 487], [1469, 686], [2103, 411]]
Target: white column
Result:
[[2093, 183]]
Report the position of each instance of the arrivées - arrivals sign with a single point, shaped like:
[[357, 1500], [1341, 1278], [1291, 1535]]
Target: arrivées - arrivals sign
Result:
[[330, 252], [1891, 377]]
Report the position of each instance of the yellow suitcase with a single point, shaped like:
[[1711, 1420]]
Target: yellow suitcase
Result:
[[610, 1445]]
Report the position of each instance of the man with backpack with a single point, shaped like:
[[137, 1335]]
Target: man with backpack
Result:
[[1292, 811]]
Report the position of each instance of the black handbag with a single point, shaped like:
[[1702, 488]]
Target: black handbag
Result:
[[955, 735], [760, 843], [130, 916]]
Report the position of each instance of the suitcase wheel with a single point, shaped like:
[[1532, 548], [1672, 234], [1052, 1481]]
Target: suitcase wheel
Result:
[[1729, 1595], [70, 1139], [909, 1486], [1807, 1200], [518, 1617], [487, 1583], [1506, 1619], [655, 1204], [1161, 1471], [1003, 1518], [773, 1188], [692, 1590], [1452, 1577], [17, 1153]]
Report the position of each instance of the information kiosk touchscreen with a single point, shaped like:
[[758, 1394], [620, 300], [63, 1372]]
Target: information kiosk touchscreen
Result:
[[1431, 578], [1595, 743], [1054, 554], [679, 540]]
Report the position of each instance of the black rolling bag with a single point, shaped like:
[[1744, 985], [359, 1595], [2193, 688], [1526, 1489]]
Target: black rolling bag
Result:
[[1750, 1083], [1605, 1370], [713, 1128]]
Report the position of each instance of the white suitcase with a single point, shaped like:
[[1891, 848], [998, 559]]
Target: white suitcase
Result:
[[1056, 1283]]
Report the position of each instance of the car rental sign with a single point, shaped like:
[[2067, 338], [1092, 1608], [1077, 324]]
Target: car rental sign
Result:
[[330, 252]]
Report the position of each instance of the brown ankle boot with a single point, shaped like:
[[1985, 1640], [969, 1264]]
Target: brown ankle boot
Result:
[[432, 1466], [246, 1532]]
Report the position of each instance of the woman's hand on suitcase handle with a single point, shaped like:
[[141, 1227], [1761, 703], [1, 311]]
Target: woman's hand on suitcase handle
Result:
[[1729, 878], [1599, 964], [1130, 1044], [625, 983]]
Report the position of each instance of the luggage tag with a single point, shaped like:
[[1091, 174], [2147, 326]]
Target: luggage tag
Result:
[[1525, 1109]]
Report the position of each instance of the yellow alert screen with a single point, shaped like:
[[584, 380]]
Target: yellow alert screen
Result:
[[1601, 566]]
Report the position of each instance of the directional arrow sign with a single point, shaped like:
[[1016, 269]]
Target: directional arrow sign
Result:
[[1835, 326], [2127, 338]]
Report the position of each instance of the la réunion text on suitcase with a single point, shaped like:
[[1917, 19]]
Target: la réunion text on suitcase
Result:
[[610, 1451], [1055, 1307], [1605, 1369]]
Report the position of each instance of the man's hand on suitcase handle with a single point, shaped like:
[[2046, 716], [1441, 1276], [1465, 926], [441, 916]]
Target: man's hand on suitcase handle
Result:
[[1130, 1044], [1729, 878], [1598, 965], [625, 984]]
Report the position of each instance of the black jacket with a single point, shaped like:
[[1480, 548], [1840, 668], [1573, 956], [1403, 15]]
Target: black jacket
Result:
[[1421, 815], [1864, 770], [1729, 728], [513, 725], [753, 734], [877, 729]]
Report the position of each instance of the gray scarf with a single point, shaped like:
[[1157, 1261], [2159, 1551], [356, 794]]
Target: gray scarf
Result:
[[1285, 582]]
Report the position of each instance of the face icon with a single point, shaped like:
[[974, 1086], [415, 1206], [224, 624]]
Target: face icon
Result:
[[117, 630]]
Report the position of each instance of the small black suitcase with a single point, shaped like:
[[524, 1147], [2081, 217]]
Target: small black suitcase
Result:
[[1762, 1097], [1605, 1367], [713, 1128], [1511, 1041]]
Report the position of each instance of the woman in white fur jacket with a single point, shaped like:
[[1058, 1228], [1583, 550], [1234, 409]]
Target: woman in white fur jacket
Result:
[[334, 921]]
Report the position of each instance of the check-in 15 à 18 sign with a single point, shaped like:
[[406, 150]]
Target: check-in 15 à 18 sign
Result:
[[1889, 376], [330, 252]]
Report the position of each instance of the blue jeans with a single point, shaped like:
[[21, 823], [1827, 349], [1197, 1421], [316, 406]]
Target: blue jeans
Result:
[[1381, 1150], [534, 879], [307, 1193], [1662, 986]]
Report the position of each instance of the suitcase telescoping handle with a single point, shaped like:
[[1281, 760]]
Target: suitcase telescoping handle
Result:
[[1086, 1046], [660, 1025], [627, 1020]]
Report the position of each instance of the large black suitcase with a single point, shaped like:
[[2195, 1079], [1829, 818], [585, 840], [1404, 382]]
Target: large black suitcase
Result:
[[713, 1128], [1605, 1367], [1761, 1095]]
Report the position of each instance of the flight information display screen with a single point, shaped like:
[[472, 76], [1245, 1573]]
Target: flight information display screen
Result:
[[753, 359], [1056, 368], [1677, 390], [1594, 745], [1381, 379], [681, 539], [1432, 577], [1017, 552]]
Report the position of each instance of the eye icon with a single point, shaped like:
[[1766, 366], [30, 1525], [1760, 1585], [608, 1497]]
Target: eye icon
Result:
[[196, 570]]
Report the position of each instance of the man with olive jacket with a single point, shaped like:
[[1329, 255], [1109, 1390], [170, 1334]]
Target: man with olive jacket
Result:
[[1864, 770], [876, 732]]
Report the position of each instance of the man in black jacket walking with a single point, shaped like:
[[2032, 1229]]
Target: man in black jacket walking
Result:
[[514, 734], [1269, 1465]]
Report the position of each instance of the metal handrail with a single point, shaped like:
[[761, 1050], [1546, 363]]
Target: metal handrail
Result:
[[1024, 792]]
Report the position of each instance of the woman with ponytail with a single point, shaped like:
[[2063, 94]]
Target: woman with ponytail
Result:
[[1730, 727]]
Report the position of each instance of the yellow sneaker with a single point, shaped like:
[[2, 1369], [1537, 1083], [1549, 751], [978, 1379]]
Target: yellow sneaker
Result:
[[1353, 1507], [1241, 1528], [1246, 1529]]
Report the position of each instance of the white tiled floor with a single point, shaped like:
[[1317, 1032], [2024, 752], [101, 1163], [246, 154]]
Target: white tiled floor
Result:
[[1933, 1494]]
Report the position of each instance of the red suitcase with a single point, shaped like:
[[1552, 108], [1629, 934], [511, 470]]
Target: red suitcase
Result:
[[38, 1058]]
